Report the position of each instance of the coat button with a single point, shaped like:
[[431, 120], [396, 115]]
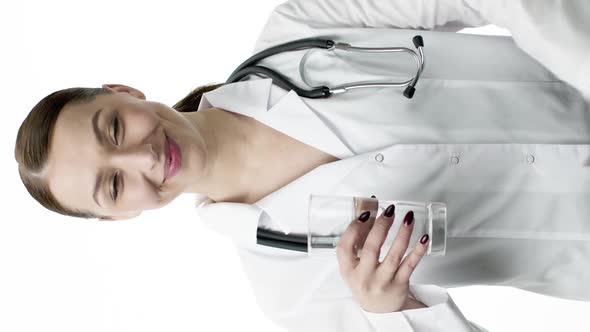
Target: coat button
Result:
[[379, 157], [530, 159], [455, 160]]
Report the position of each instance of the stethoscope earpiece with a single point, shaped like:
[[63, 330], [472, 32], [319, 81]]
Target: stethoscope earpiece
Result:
[[418, 41], [409, 92]]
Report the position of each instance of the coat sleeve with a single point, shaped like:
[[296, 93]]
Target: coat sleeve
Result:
[[441, 315], [301, 294], [554, 32], [345, 315]]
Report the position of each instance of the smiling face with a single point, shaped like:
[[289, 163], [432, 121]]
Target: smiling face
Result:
[[110, 156]]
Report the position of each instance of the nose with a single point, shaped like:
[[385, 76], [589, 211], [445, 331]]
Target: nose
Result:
[[140, 157]]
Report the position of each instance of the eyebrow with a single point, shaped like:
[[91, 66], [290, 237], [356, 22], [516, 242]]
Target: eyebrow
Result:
[[100, 139]]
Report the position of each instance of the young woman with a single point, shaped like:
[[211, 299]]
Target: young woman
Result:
[[493, 130]]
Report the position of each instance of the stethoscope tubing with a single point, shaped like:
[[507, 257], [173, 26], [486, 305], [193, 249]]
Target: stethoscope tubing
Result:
[[280, 240], [248, 67]]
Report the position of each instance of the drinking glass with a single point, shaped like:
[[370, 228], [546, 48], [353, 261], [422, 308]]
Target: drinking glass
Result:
[[329, 216]]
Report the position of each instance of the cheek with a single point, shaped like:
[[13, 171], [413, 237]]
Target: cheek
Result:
[[141, 198], [139, 122]]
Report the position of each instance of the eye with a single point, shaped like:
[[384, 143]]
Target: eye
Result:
[[116, 129], [115, 191]]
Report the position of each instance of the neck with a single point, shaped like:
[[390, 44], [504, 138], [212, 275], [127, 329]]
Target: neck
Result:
[[227, 140]]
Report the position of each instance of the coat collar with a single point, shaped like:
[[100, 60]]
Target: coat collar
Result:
[[289, 114], [249, 98], [276, 108]]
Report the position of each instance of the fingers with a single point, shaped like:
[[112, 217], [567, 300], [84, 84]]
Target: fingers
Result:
[[391, 262], [371, 238], [355, 234], [352, 239], [375, 239], [411, 261]]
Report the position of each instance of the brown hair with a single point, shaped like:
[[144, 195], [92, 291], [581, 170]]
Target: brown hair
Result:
[[34, 136]]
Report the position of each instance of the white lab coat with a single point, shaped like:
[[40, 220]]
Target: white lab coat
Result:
[[490, 132]]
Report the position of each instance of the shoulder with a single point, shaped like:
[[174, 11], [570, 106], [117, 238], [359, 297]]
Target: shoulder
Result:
[[287, 21]]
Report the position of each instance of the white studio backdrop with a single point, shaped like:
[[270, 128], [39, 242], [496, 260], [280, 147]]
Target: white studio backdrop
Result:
[[162, 271]]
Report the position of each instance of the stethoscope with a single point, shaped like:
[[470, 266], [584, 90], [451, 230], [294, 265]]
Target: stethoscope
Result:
[[249, 67], [293, 241]]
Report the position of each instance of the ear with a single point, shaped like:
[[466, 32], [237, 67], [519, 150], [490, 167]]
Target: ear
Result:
[[124, 88], [124, 217]]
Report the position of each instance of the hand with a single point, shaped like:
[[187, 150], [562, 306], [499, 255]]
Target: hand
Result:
[[379, 287]]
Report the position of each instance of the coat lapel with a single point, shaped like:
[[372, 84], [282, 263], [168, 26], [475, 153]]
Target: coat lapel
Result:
[[278, 109], [287, 207], [293, 117]]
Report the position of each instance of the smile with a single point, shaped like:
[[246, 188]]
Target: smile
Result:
[[173, 158]]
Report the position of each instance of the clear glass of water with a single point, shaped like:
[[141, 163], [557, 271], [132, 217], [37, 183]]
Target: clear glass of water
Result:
[[329, 216]]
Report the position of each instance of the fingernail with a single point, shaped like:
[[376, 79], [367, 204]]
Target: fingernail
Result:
[[365, 216], [373, 196], [424, 238], [389, 211], [409, 218]]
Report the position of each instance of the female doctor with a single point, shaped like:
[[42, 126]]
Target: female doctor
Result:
[[498, 130]]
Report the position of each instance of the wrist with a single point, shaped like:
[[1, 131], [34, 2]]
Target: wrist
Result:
[[413, 304]]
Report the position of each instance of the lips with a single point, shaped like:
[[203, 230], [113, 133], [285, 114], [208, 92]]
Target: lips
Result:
[[173, 158], [166, 158]]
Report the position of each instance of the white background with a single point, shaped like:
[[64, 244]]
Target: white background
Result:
[[162, 271]]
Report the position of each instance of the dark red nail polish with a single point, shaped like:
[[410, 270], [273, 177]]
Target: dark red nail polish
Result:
[[424, 238], [365, 216], [389, 211], [409, 218]]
